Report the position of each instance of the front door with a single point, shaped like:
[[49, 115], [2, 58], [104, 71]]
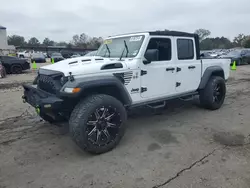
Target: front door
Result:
[[158, 77], [188, 71]]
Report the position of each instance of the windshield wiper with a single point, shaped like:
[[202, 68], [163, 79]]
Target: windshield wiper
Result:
[[126, 48], [107, 49]]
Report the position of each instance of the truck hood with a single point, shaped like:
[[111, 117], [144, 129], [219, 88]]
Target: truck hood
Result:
[[82, 65]]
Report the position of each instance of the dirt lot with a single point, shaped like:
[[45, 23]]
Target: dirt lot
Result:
[[181, 147]]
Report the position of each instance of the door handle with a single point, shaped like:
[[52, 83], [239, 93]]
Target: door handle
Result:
[[191, 67], [170, 69], [178, 69]]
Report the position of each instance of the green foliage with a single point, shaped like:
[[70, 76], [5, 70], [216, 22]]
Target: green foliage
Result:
[[33, 42], [216, 43], [16, 40], [238, 41], [48, 42], [203, 33], [246, 42]]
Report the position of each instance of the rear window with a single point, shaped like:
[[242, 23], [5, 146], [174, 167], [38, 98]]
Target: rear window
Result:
[[185, 48]]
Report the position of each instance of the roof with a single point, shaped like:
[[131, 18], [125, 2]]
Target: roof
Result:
[[164, 32], [172, 33], [2, 27]]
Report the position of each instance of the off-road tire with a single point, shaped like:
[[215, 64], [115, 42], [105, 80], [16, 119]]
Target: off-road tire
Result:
[[79, 118], [16, 69], [208, 93]]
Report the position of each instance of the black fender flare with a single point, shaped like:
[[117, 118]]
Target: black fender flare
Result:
[[213, 70], [87, 83]]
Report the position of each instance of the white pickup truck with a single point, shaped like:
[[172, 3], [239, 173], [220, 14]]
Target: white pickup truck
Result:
[[130, 70], [25, 54]]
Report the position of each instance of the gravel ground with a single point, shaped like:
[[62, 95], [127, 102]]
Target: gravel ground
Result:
[[181, 147]]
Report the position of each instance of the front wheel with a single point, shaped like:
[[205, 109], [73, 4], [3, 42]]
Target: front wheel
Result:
[[97, 123], [213, 95]]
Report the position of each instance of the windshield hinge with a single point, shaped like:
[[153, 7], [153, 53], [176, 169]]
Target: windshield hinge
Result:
[[143, 89], [143, 72]]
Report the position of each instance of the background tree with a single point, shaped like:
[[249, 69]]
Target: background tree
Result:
[[16, 40], [61, 44], [33, 41], [48, 42], [215, 43], [75, 40], [246, 42], [95, 42], [238, 40], [203, 33]]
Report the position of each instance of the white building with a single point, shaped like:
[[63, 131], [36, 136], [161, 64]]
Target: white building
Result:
[[4, 47]]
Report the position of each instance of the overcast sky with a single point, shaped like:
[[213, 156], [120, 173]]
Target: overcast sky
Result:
[[61, 19]]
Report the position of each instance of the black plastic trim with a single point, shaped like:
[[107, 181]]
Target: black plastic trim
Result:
[[207, 74], [197, 45], [143, 72], [162, 99], [95, 82], [112, 66], [49, 72], [86, 60], [172, 33]]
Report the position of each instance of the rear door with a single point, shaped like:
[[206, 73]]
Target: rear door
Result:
[[188, 68]]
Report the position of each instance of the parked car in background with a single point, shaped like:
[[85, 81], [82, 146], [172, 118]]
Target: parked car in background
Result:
[[237, 56], [2, 71], [206, 55], [66, 53], [24, 54], [57, 57], [75, 55], [38, 58], [246, 56], [14, 65], [92, 53]]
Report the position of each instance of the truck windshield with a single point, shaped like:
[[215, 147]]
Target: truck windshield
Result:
[[115, 46]]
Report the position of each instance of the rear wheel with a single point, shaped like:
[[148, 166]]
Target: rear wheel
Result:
[[97, 123], [16, 69], [213, 95]]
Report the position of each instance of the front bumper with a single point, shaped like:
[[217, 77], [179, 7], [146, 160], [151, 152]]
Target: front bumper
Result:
[[44, 102]]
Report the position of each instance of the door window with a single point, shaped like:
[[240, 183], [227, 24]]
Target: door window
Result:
[[185, 49], [164, 47]]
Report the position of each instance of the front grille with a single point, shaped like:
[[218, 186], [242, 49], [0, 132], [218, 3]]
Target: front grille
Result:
[[49, 84]]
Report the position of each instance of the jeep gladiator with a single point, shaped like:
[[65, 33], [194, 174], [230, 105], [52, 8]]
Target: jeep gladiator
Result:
[[148, 68]]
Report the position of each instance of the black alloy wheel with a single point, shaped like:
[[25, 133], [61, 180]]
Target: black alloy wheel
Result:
[[97, 123], [103, 125], [218, 93]]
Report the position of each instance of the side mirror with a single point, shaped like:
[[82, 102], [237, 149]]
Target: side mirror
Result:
[[151, 55]]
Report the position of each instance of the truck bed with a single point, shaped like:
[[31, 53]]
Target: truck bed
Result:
[[223, 63]]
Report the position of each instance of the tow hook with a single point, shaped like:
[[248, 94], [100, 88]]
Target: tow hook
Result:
[[24, 99]]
